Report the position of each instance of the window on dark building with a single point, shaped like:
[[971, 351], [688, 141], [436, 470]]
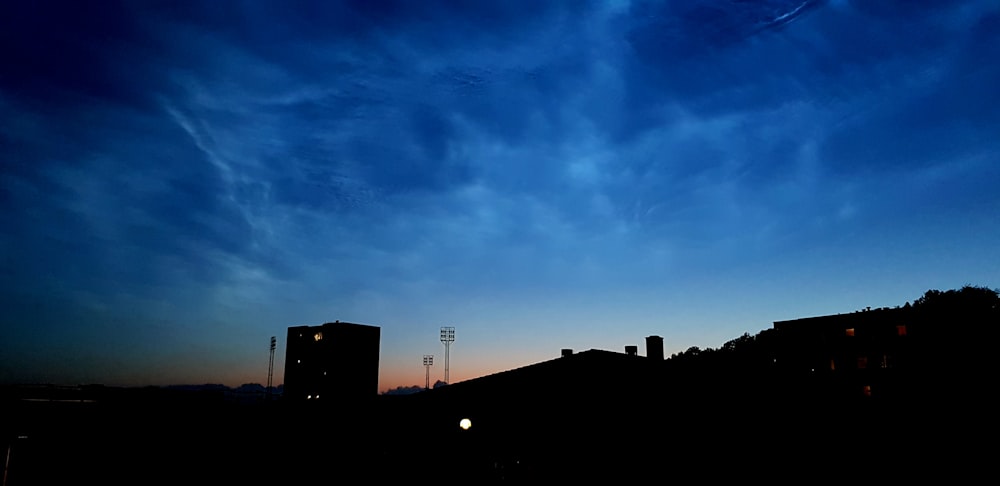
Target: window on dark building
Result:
[[849, 332]]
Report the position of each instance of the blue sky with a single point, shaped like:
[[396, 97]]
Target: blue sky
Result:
[[182, 180]]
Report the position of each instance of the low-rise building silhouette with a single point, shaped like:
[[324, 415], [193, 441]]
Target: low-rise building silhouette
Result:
[[939, 346], [856, 341]]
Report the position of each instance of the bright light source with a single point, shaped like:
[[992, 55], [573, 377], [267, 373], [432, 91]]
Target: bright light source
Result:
[[465, 424]]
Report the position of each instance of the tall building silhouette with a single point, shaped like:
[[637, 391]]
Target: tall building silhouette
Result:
[[654, 347], [336, 361]]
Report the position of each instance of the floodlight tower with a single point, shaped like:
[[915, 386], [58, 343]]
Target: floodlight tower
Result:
[[428, 362], [447, 337], [270, 368]]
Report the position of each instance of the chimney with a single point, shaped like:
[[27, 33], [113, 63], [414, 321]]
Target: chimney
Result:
[[566, 352], [632, 350], [654, 347]]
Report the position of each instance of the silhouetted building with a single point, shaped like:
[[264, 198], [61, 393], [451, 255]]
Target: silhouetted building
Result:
[[632, 350], [337, 361], [654, 347], [888, 352], [855, 341]]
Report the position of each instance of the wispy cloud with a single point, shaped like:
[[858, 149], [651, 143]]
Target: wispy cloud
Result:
[[267, 161]]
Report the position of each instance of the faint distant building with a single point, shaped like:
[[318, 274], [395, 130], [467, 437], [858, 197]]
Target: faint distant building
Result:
[[336, 361]]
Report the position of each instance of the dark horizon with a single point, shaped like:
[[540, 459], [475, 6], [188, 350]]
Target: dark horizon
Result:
[[897, 389], [261, 388]]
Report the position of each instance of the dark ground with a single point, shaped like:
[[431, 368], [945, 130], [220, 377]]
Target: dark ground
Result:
[[202, 440]]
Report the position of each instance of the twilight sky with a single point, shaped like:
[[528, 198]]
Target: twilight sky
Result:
[[182, 180]]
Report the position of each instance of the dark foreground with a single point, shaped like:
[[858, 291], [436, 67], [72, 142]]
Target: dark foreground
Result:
[[194, 440]]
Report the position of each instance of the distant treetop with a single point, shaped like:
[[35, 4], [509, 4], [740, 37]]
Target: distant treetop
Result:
[[969, 297]]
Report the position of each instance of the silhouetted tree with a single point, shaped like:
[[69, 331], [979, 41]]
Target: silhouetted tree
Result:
[[739, 343], [969, 298]]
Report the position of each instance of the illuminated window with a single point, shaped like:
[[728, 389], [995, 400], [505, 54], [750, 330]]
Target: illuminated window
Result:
[[318, 336], [868, 390], [849, 331], [298, 361], [832, 365], [885, 361], [862, 362], [901, 330]]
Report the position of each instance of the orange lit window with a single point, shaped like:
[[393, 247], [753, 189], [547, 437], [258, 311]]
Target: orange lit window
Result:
[[832, 365], [849, 331], [318, 336], [862, 362], [901, 330], [868, 390]]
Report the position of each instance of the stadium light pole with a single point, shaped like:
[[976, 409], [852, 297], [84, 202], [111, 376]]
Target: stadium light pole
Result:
[[270, 367], [428, 362], [447, 337]]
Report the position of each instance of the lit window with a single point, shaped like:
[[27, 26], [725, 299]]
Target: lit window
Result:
[[298, 361], [885, 361], [318, 336], [849, 331], [309, 397], [901, 330], [868, 390], [832, 365]]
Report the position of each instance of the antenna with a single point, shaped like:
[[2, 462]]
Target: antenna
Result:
[[428, 362], [270, 368], [447, 337]]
